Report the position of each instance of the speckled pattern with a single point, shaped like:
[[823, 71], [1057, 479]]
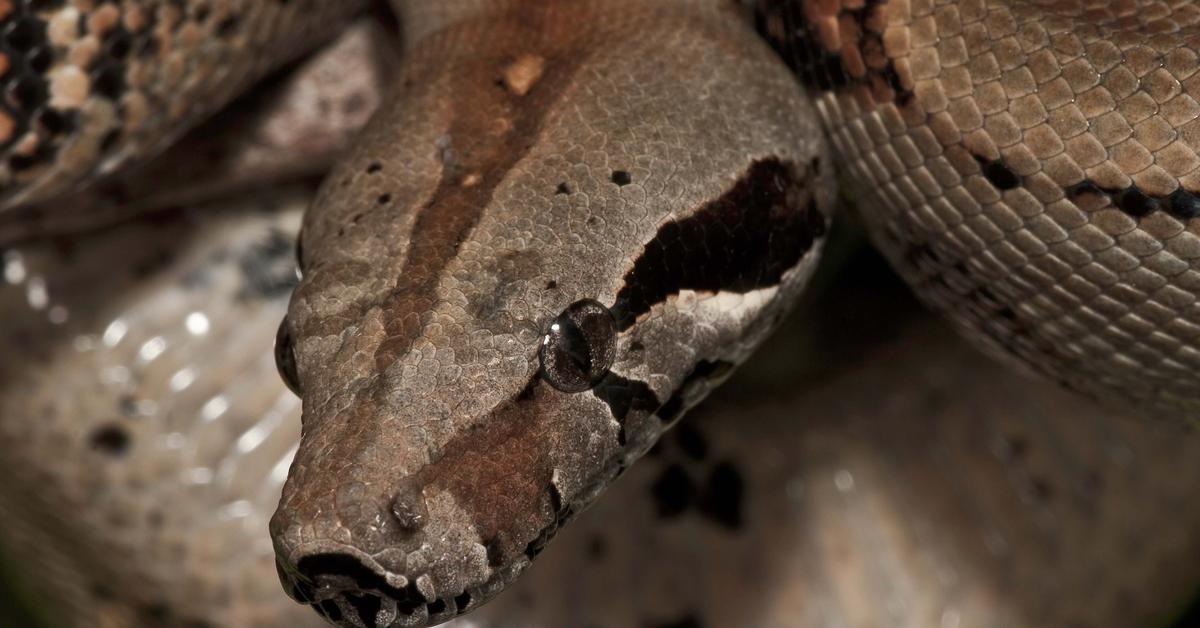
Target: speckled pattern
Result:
[[1031, 167], [91, 84]]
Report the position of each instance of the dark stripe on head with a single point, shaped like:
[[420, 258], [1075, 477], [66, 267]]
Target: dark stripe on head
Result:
[[474, 162], [744, 240]]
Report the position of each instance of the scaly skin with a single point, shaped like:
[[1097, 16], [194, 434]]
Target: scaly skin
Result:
[[558, 153], [1030, 167], [92, 85], [547, 163]]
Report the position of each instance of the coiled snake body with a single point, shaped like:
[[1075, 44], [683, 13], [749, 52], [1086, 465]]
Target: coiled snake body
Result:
[[570, 219]]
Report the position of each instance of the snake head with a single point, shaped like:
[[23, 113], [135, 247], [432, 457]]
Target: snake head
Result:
[[534, 261]]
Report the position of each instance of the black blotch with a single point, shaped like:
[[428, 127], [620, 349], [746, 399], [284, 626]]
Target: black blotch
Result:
[[1183, 205], [999, 174], [1134, 203], [562, 189], [313, 566], [527, 392], [624, 396], [551, 285], [55, 122], [109, 82], [367, 606], [462, 601], [436, 608], [330, 609], [23, 33], [374, 167], [621, 178], [691, 441], [744, 240], [384, 199], [673, 492], [721, 498], [112, 440]]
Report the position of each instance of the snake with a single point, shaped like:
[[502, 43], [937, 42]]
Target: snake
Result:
[[570, 220]]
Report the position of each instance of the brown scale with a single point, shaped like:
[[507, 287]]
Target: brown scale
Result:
[[1046, 151]]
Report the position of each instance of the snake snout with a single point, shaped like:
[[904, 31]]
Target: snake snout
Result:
[[352, 591]]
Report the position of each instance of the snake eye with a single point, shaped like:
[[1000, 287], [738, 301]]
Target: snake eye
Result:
[[579, 347], [285, 357]]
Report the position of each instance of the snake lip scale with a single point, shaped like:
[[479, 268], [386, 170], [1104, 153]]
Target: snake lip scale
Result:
[[570, 219]]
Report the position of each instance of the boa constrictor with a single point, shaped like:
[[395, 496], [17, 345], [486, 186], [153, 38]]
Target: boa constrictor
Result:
[[572, 218]]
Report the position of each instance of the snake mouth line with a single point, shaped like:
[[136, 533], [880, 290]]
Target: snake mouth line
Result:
[[350, 588]]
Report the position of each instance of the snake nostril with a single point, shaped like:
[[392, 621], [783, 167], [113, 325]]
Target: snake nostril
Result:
[[409, 509]]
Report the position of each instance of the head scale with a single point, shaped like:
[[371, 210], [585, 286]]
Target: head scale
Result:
[[524, 272]]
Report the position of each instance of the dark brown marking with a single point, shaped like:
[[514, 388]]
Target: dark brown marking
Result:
[[722, 496], [454, 209], [744, 240], [673, 491], [623, 396], [499, 471], [1181, 204]]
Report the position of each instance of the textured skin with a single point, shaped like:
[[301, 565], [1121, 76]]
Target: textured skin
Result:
[[437, 461], [956, 492], [92, 84], [1028, 171], [1031, 168], [292, 127], [509, 180]]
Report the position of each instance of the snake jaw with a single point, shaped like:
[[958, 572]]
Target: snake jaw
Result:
[[349, 588]]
